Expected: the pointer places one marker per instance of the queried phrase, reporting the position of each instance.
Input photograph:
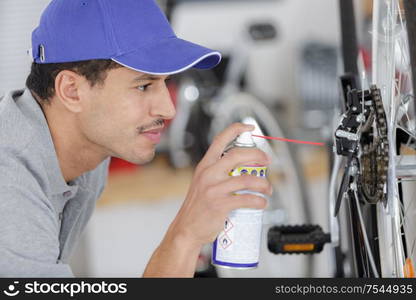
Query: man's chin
(141, 159)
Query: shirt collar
(33, 112)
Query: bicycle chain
(374, 158)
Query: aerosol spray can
(238, 244)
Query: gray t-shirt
(41, 215)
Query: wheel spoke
(365, 237)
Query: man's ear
(67, 89)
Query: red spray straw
(288, 140)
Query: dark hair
(41, 79)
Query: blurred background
(280, 55)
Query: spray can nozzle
(245, 139)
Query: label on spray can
(238, 244)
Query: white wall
(17, 20)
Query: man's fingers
(235, 158)
(222, 140)
(246, 182)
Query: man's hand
(211, 194)
(209, 200)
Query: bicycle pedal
(298, 239)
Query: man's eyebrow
(148, 77)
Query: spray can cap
(245, 139)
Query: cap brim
(169, 56)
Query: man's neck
(75, 154)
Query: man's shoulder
(16, 170)
(20, 147)
(15, 131)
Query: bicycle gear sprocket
(362, 137)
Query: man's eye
(143, 88)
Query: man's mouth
(153, 134)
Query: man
(97, 89)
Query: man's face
(125, 116)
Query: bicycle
(206, 107)
(376, 140)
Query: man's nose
(163, 106)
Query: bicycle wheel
(395, 56)
(289, 202)
(382, 205)
(185, 145)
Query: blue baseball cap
(133, 33)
